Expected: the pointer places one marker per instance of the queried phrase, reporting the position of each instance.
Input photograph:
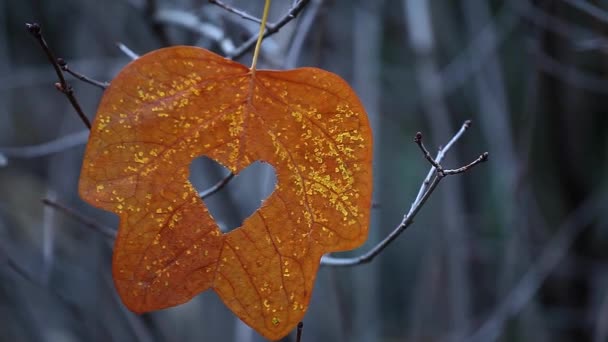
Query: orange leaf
(173, 105)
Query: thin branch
(64, 66)
(369, 256)
(63, 86)
(299, 332)
(408, 218)
(482, 158)
(54, 146)
(236, 11)
(439, 158)
(127, 51)
(427, 155)
(216, 187)
(439, 169)
(88, 222)
(271, 29)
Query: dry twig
(64, 66)
(63, 86)
(426, 189)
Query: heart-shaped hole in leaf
(238, 199)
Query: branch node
(33, 28)
(62, 63)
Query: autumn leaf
(173, 105)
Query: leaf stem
(258, 44)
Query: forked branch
(435, 175)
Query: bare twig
(482, 158)
(54, 146)
(426, 154)
(270, 29)
(64, 66)
(127, 51)
(299, 332)
(63, 86)
(408, 218)
(236, 11)
(439, 158)
(216, 187)
(439, 169)
(88, 222)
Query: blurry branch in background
(191, 22)
(127, 51)
(521, 294)
(5, 257)
(426, 189)
(54, 146)
(589, 8)
(304, 26)
(150, 10)
(63, 86)
(459, 70)
(568, 73)
(48, 239)
(573, 33)
(483, 46)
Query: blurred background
(513, 250)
